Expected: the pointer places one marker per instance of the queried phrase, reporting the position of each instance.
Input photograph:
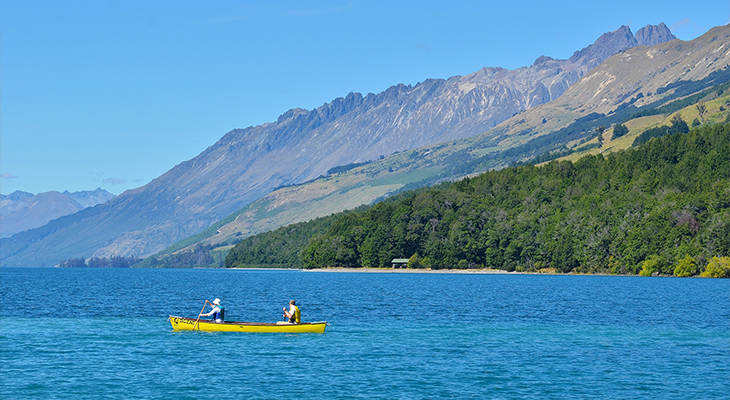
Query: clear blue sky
(112, 94)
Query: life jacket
(220, 314)
(297, 316)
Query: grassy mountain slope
(715, 99)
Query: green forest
(662, 208)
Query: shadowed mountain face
(21, 211)
(246, 164)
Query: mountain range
(641, 87)
(21, 211)
(301, 145)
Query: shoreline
(387, 270)
(428, 271)
(486, 271)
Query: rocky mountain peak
(294, 112)
(608, 44)
(621, 39)
(90, 198)
(542, 60)
(16, 196)
(652, 35)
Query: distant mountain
(16, 195)
(20, 211)
(301, 145)
(90, 198)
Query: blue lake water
(86, 333)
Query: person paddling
(218, 312)
(293, 314)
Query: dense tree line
(279, 248)
(645, 210)
(677, 126)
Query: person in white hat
(218, 312)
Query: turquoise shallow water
(103, 334)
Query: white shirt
(213, 311)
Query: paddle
(201, 311)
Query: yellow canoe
(188, 324)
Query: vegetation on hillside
(279, 248)
(100, 262)
(678, 126)
(662, 208)
(593, 125)
(201, 255)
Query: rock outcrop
(652, 35)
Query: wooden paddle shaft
(201, 311)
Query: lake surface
(86, 333)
